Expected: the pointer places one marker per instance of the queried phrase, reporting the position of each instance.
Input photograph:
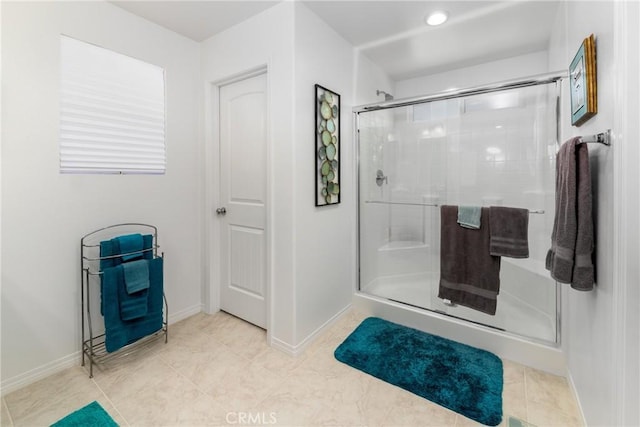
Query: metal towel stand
(93, 344)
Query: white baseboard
(41, 372)
(572, 386)
(296, 350)
(74, 359)
(183, 314)
(283, 346)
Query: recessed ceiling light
(437, 18)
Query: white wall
(263, 40)
(588, 317)
(600, 355)
(312, 249)
(490, 72)
(369, 78)
(324, 237)
(44, 213)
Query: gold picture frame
(583, 83)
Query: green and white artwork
(327, 152)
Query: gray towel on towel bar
(469, 275)
(572, 241)
(509, 230)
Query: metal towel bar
(383, 202)
(600, 138)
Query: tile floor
(218, 370)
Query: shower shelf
(531, 265)
(93, 341)
(383, 202)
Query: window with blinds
(112, 112)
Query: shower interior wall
(464, 172)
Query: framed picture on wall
(582, 83)
(327, 149)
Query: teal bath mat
(91, 415)
(465, 379)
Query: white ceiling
(364, 22)
(391, 33)
(197, 20)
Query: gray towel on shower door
(570, 257)
(469, 275)
(509, 232)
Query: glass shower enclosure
(488, 149)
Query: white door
(242, 210)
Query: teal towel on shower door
(469, 216)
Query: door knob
(221, 211)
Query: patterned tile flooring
(218, 370)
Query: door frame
(211, 243)
(625, 240)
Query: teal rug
(517, 422)
(91, 415)
(465, 379)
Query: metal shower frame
(541, 79)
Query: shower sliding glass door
(494, 149)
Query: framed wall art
(583, 82)
(327, 149)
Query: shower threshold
(512, 314)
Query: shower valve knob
(380, 178)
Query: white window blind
(112, 112)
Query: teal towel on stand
(111, 248)
(469, 216)
(133, 307)
(133, 302)
(136, 275)
(107, 250)
(129, 244)
(118, 331)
